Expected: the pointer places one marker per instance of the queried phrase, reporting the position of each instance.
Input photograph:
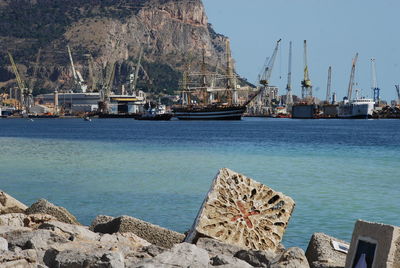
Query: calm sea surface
(337, 171)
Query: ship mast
(231, 81)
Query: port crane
(289, 96)
(306, 86)
(264, 95)
(136, 75)
(23, 95)
(374, 83)
(352, 73)
(328, 85)
(398, 94)
(77, 75)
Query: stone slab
(385, 239)
(240, 211)
(9, 204)
(321, 253)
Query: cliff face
(170, 32)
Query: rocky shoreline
(46, 235)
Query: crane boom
(398, 94)
(20, 82)
(266, 75)
(306, 85)
(328, 85)
(374, 83)
(72, 64)
(352, 73)
(289, 97)
(137, 70)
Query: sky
(334, 29)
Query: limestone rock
(242, 212)
(215, 247)
(8, 204)
(22, 259)
(70, 231)
(256, 258)
(35, 220)
(291, 258)
(180, 255)
(35, 239)
(45, 207)
(12, 219)
(100, 219)
(321, 254)
(3, 244)
(83, 255)
(224, 261)
(152, 233)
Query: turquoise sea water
(337, 171)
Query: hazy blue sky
(334, 29)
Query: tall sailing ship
(210, 103)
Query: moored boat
(356, 109)
(229, 112)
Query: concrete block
(9, 204)
(321, 252)
(45, 207)
(376, 244)
(240, 211)
(154, 234)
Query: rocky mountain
(171, 33)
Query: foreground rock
(154, 234)
(242, 212)
(322, 254)
(23, 220)
(45, 207)
(8, 204)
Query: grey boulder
(180, 255)
(291, 258)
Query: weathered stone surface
(22, 259)
(180, 255)
(152, 233)
(100, 219)
(12, 219)
(385, 237)
(35, 239)
(35, 220)
(242, 212)
(291, 258)
(70, 231)
(256, 258)
(9, 204)
(45, 207)
(3, 244)
(4, 229)
(321, 254)
(222, 261)
(215, 247)
(83, 255)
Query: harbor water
(337, 171)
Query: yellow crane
(23, 90)
(306, 86)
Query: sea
(337, 171)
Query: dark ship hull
(210, 112)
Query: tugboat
(156, 112)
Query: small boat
(155, 117)
(87, 118)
